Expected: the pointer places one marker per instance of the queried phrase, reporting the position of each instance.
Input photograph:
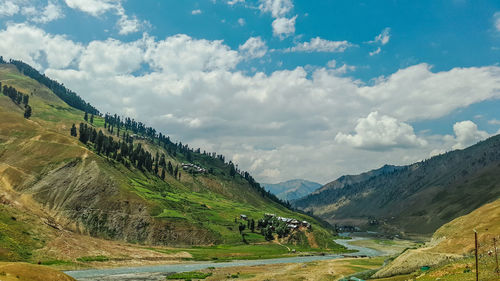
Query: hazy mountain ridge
(417, 198)
(352, 179)
(292, 189)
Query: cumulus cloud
(9, 7)
(381, 132)
(254, 47)
(196, 12)
(111, 57)
(241, 21)
(383, 37)
(277, 8)
(50, 13)
(270, 123)
(416, 93)
(180, 54)
(466, 134)
(320, 45)
(283, 27)
(94, 7)
(36, 47)
(32, 10)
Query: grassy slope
(36, 155)
(29, 272)
(454, 240)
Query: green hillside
(51, 178)
(450, 253)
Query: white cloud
(494, 122)
(111, 57)
(180, 54)
(233, 2)
(382, 38)
(241, 21)
(320, 45)
(254, 47)
(416, 93)
(94, 7)
(376, 52)
(196, 12)
(36, 47)
(270, 123)
(331, 63)
(283, 27)
(496, 20)
(277, 8)
(126, 24)
(32, 10)
(8, 8)
(379, 133)
(466, 134)
(50, 13)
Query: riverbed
(158, 272)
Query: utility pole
(497, 270)
(477, 265)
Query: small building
(243, 217)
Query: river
(158, 272)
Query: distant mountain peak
(292, 189)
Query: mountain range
(417, 198)
(292, 189)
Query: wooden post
(497, 270)
(477, 265)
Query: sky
(284, 88)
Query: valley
(66, 205)
(263, 140)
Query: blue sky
(287, 88)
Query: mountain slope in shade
(418, 198)
(352, 179)
(292, 189)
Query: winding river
(158, 272)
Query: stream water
(158, 272)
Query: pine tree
(92, 119)
(73, 130)
(162, 174)
(171, 169)
(26, 99)
(27, 112)
(86, 116)
(232, 170)
(162, 161)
